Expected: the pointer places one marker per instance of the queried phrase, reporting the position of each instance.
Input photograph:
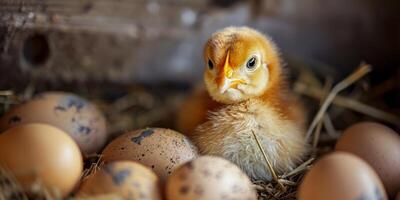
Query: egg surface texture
(73, 114)
(128, 179)
(162, 150)
(341, 176)
(41, 153)
(209, 177)
(379, 146)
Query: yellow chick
(198, 104)
(245, 76)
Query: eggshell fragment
(41, 153)
(341, 176)
(162, 150)
(379, 146)
(71, 113)
(128, 179)
(209, 177)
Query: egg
(162, 150)
(341, 176)
(128, 179)
(209, 177)
(40, 152)
(71, 113)
(379, 146)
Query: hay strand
(349, 103)
(6, 93)
(9, 187)
(317, 133)
(274, 176)
(329, 127)
(301, 168)
(359, 73)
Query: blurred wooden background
(153, 41)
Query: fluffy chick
(198, 104)
(244, 74)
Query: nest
(139, 107)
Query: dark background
(149, 41)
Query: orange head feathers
(241, 63)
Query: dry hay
(149, 109)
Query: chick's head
(241, 63)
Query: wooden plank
(129, 41)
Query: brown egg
(128, 179)
(76, 116)
(160, 149)
(379, 146)
(209, 177)
(40, 152)
(341, 176)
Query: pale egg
(209, 177)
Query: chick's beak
(228, 79)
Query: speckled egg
(343, 176)
(162, 150)
(379, 146)
(128, 179)
(40, 153)
(209, 177)
(76, 116)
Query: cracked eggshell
(41, 153)
(71, 113)
(127, 179)
(209, 177)
(162, 150)
(341, 175)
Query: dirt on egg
(209, 177)
(78, 117)
(129, 179)
(162, 150)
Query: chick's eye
(210, 64)
(251, 63)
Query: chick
(197, 104)
(245, 76)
